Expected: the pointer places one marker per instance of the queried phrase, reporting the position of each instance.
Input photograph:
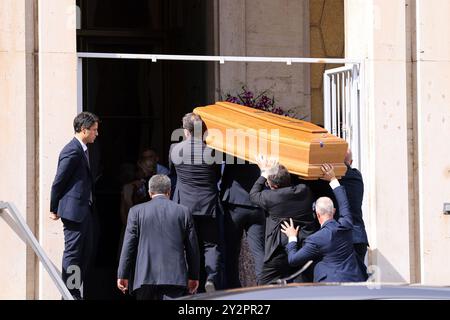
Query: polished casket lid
(302, 147)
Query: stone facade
(270, 29)
(18, 161)
(39, 96)
(326, 21)
(405, 123)
(404, 128)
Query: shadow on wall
(381, 270)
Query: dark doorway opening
(139, 102)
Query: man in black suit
(71, 200)
(280, 202)
(332, 245)
(354, 185)
(241, 214)
(160, 249)
(198, 174)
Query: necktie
(86, 152)
(87, 157)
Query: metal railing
(220, 59)
(342, 106)
(10, 214)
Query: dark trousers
(237, 219)
(78, 249)
(159, 292)
(277, 267)
(361, 250)
(207, 230)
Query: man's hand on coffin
(328, 172)
(265, 164)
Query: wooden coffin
(300, 146)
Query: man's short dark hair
(282, 177)
(84, 120)
(159, 184)
(190, 120)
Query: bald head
(325, 207)
(348, 157)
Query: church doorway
(139, 103)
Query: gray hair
(324, 206)
(191, 121)
(279, 176)
(159, 184)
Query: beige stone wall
(406, 126)
(38, 103)
(433, 133)
(57, 108)
(326, 18)
(17, 158)
(266, 28)
(376, 32)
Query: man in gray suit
(160, 248)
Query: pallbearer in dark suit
(241, 214)
(353, 183)
(160, 250)
(354, 187)
(281, 202)
(198, 173)
(72, 199)
(332, 245)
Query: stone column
(376, 32)
(17, 141)
(433, 133)
(57, 108)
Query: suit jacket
(333, 246)
(280, 204)
(73, 184)
(160, 245)
(353, 183)
(197, 176)
(237, 181)
(321, 188)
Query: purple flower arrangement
(260, 101)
